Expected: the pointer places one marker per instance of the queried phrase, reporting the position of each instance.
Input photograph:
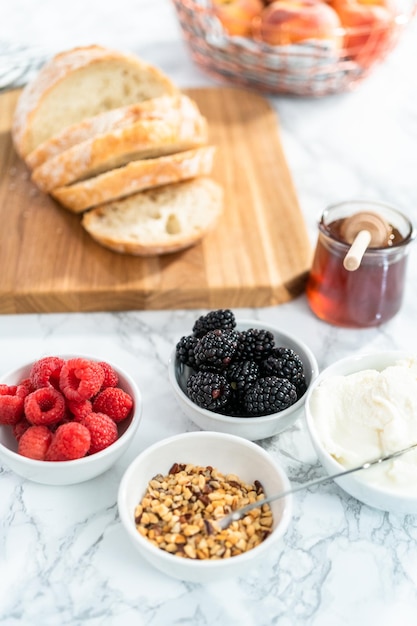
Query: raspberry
(24, 388)
(11, 405)
(114, 402)
(45, 406)
(70, 441)
(45, 372)
(8, 390)
(111, 378)
(80, 379)
(79, 409)
(20, 427)
(34, 442)
(103, 431)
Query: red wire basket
(313, 67)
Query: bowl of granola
(174, 493)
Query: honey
(373, 293)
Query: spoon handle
(225, 521)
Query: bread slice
(158, 221)
(135, 176)
(80, 83)
(181, 130)
(153, 108)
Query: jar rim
(396, 218)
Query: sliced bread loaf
(144, 139)
(77, 84)
(135, 176)
(158, 221)
(153, 108)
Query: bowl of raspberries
(241, 377)
(65, 419)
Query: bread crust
(101, 222)
(135, 176)
(55, 72)
(112, 137)
(143, 139)
(151, 109)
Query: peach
(369, 27)
(236, 15)
(291, 21)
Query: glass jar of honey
(373, 293)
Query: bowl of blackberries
(239, 376)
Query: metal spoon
(225, 521)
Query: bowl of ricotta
(363, 407)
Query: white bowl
(226, 453)
(252, 428)
(358, 484)
(78, 470)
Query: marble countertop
(64, 557)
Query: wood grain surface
(258, 255)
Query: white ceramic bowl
(253, 428)
(79, 470)
(356, 484)
(226, 453)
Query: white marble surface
(64, 558)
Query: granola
(178, 513)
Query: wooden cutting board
(258, 255)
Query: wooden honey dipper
(361, 230)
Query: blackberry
(301, 387)
(284, 363)
(233, 407)
(221, 318)
(184, 350)
(216, 350)
(242, 375)
(255, 344)
(269, 395)
(210, 390)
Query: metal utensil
(225, 521)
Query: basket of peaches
(301, 47)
